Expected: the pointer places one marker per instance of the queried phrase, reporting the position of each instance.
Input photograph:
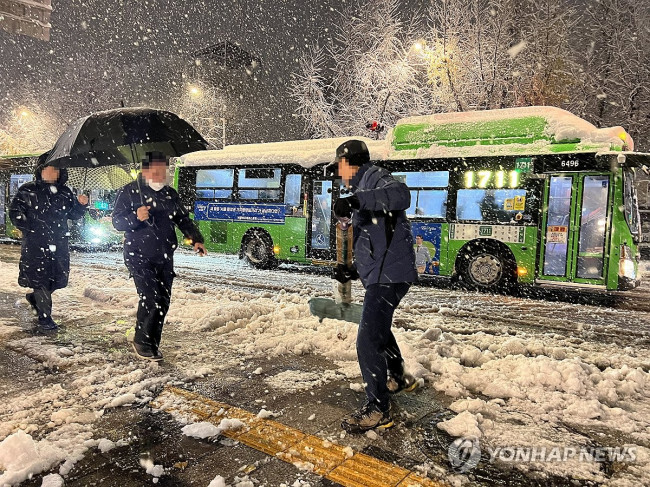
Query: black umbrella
(120, 136)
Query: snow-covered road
(548, 371)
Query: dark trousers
(43, 301)
(377, 349)
(154, 284)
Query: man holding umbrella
(41, 210)
(148, 210)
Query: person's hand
(143, 213)
(344, 206)
(343, 273)
(83, 199)
(199, 248)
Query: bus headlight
(626, 266)
(97, 231)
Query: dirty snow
(532, 380)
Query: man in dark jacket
(148, 210)
(41, 210)
(385, 263)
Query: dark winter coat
(155, 239)
(41, 212)
(383, 240)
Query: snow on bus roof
(541, 126)
(305, 153)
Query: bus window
(267, 180)
(215, 178)
(292, 193)
(208, 182)
(321, 221)
(490, 205)
(429, 203)
(259, 178)
(259, 194)
(631, 204)
(16, 181)
(593, 227)
(427, 179)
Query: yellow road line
(291, 445)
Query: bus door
(322, 231)
(575, 228)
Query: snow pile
(152, 469)
(52, 480)
(205, 430)
(264, 414)
(306, 153)
(529, 378)
(105, 445)
(465, 425)
(21, 457)
(201, 430)
(218, 481)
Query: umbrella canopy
(100, 139)
(104, 177)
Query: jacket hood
(63, 174)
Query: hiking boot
(158, 354)
(367, 418)
(32, 303)
(406, 383)
(47, 324)
(145, 352)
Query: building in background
(27, 17)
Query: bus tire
(257, 249)
(487, 266)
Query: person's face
(50, 174)
(418, 240)
(346, 171)
(156, 172)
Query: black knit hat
(355, 151)
(154, 156)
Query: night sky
(104, 51)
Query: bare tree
(204, 106)
(371, 72)
(497, 53)
(614, 86)
(311, 89)
(28, 129)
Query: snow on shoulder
(521, 130)
(305, 153)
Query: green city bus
(529, 195)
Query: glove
(344, 206)
(343, 273)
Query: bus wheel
(486, 268)
(258, 249)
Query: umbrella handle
(142, 199)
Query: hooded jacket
(383, 240)
(154, 239)
(41, 211)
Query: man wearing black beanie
(385, 262)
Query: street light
(194, 90)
